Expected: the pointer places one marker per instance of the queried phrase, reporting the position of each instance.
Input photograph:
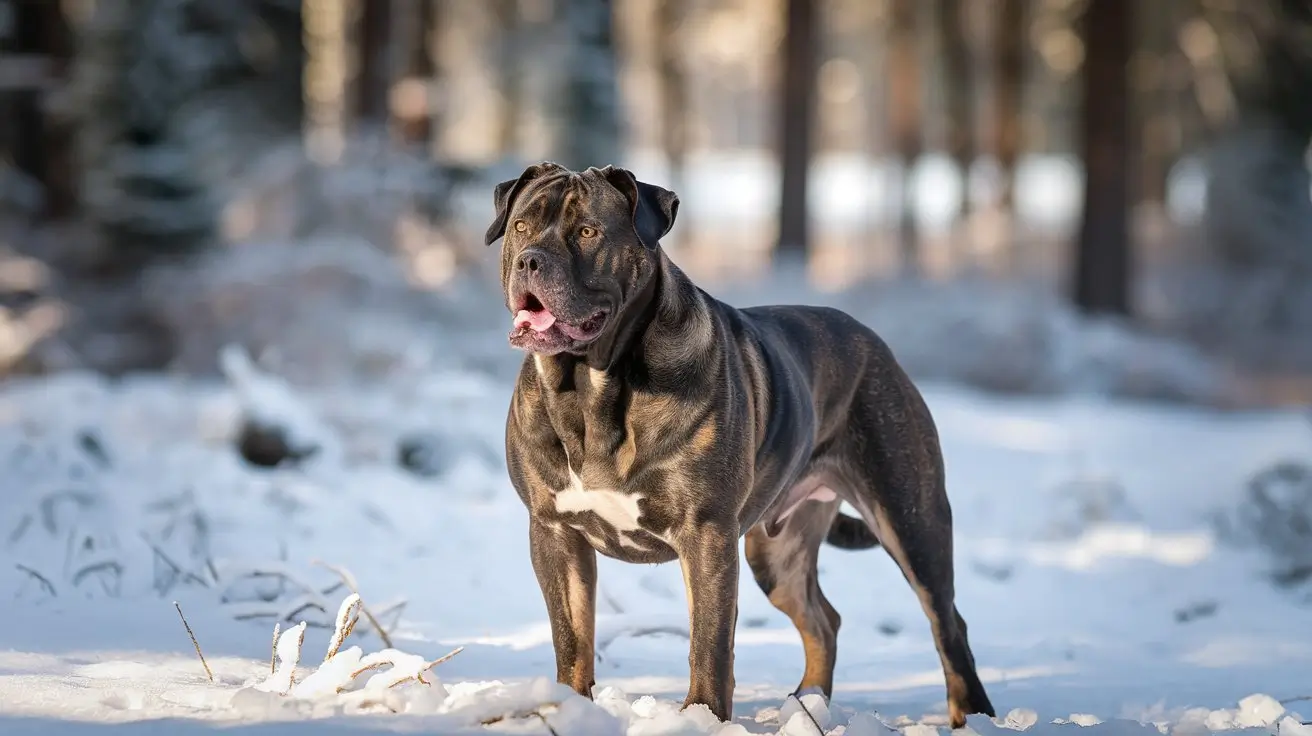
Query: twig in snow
(525, 714)
(370, 703)
(41, 579)
(349, 579)
(603, 642)
(366, 668)
(273, 650)
(20, 529)
(1299, 699)
(443, 658)
(178, 572)
(379, 662)
(420, 675)
(48, 506)
(243, 613)
(347, 616)
(278, 571)
(288, 652)
(807, 711)
(103, 566)
(291, 675)
(301, 605)
(394, 610)
(194, 643)
(546, 723)
(611, 601)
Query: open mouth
(536, 326)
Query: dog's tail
(849, 532)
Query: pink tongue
(539, 321)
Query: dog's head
(579, 249)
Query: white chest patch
(617, 510)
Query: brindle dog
(651, 422)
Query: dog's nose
(530, 260)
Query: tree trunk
(416, 125)
(22, 107)
(40, 144)
(281, 77)
(674, 88)
(588, 116)
(374, 81)
(796, 121)
(59, 176)
(1160, 102)
(1287, 63)
(1102, 268)
(510, 72)
(959, 85)
(959, 89)
(1009, 68)
(906, 110)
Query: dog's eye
(588, 232)
(521, 226)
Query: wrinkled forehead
(566, 194)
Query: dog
(651, 422)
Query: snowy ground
(1089, 570)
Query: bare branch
(807, 711)
(41, 579)
(349, 580)
(194, 643)
(273, 651)
(525, 714)
(347, 615)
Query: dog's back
(842, 360)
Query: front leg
(709, 556)
(566, 566)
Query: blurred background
(1025, 196)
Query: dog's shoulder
(799, 318)
(528, 403)
(807, 326)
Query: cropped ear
(653, 208)
(503, 197)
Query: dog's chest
(612, 519)
(617, 509)
(613, 515)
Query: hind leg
(921, 545)
(785, 568)
(893, 458)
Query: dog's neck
(680, 333)
(630, 325)
(666, 324)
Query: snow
(803, 716)
(287, 653)
(1101, 590)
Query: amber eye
(521, 226)
(588, 232)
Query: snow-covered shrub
(1275, 515)
(1016, 339)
